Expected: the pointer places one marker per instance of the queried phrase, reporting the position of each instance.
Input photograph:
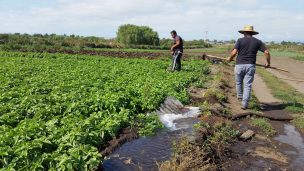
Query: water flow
(293, 138)
(175, 121)
(144, 153)
(173, 110)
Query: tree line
(128, 36)
(40, 42)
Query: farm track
(295, 68)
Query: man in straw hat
(246, 49)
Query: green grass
(264, 125)
(293, 99)
(299, 122)
(218, 94)
(254, 103)
(295, 55)
(223, 133)
(299, 57)
(224, 49)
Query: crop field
(58, 110)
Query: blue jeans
(244, 75)
(176, 60)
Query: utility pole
(206, 35)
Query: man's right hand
(267, 55)
(232, 55)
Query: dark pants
(176, 61)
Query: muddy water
(146, 152)
(142, 153)
(293, 138)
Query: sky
(275, 20)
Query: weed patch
(208, 152)
(299, 122)
(299, 57)
(264, 125)
(254, 103)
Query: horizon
(209, 40)
(102, 18)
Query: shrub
(137, 35)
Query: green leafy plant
(56, 110)
(147, 124)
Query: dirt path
(295, 68)
(262, 92)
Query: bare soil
(118, 54)
(126, 134)
(295, 68)
(262, 92)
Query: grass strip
(264, 125)
(293, 99)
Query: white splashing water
(168, 119)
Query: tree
(166, 43)
(4, 38)
(232, 41)
(129, 34)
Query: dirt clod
(269, 153)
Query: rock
(247, 135)
(127, 161)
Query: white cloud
(191, 18)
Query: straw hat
(249, 29)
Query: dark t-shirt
(248, 48)
(180, 47)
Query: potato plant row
(58, 110)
